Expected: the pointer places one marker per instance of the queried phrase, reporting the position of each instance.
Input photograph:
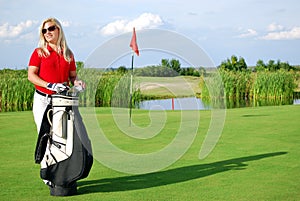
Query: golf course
(256, 158)
(150, 100)
(253, 152)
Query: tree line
(239, 64)
(172, 67)
(167, 68)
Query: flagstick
(130, 101)
(135, 49)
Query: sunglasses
(52, 28)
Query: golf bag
(63, 148)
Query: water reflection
(296, 102)
(237, 103)
(193, 103)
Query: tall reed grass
(241, 85)
(212, 90)
(103, 89)
(16, 92)
(112, 88)
(274, 85)
(106, 89)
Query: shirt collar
(49, 48)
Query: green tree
(285, 66)
(165, 63)
(260, 65)
(272, 66)
(175, 65)
(183, 71)
(234, 64)
(241, 64)
(122, 70)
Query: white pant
(39, 106)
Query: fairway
(180, 86)
(256, 158)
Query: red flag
(133, 43)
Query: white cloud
(145, 20)
(11, 31)
(293, 33)
(275, 27)
(248, 33)
(66, 23)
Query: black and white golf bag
(63, 148)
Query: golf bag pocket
(52, 156)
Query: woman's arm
(72, 76)
(34, 78)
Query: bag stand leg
(64, 191)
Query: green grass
(256, 158)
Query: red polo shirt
(53, 68)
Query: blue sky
(252, 29)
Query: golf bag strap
(41, 143)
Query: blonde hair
(62, 47)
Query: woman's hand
(79, 84)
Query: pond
(193, 103)
(190, 103)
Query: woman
(51, 67)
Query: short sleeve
(35, 59)
(73, 65)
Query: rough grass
(256, 158)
